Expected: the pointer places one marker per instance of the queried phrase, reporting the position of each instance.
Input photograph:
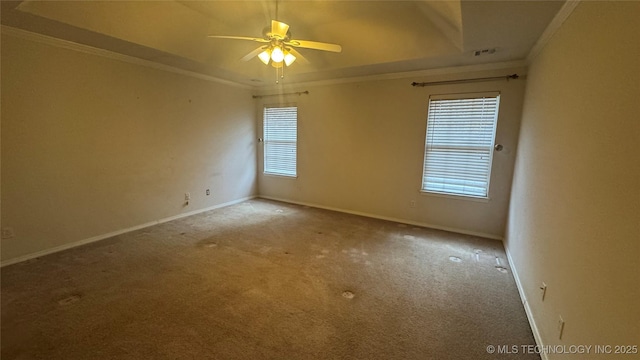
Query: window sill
(455, 197)
(293, 177)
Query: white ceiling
(377, 37)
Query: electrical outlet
(187, 196)
(412, 203)
(560, 327)
(543, 289)
(208, 192)
(8, 233)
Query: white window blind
(459, 145)
(280, 140)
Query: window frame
(267, 141)
(461, 195)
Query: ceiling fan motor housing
(271, 35)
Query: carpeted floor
(266, 280)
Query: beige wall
(92, 145)
(574, 219)
(361, 148)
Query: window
(459, 144)
(280, 140)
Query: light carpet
(267, 280)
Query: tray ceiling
(377, 37)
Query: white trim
(86, 49)
(403, 75)
(455, 196)
(387, 218)
(555, 24)
(527, 308)
(117, 232)
(291, 177)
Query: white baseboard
(527, 308)
(375, 216)
(116, 233)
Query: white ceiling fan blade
(315, 45)
(239, 38)
(279, 28)
(254, 53)
(301, 59)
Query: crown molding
(555, 24)
(70, 45)
(65, 44)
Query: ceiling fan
(278, 49)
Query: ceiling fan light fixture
(277, 47)
(265, 56)
(277, 55)
(289, 58)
